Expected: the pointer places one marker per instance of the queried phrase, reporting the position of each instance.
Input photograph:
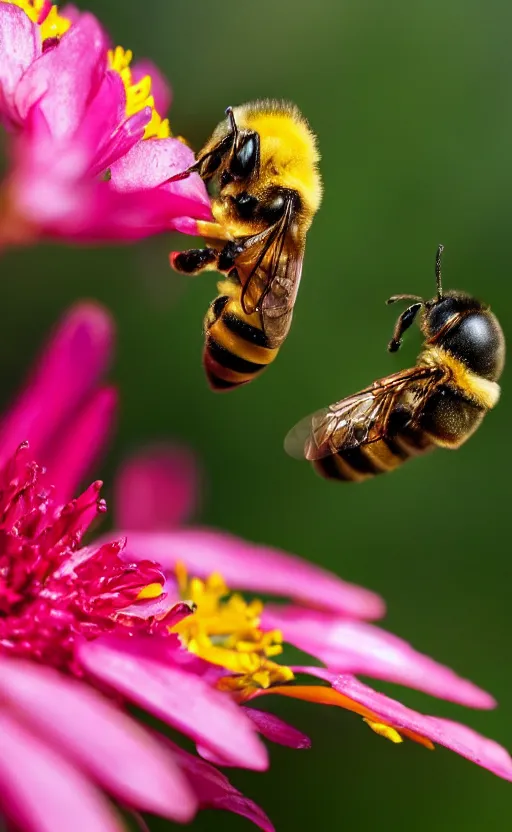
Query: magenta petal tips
(346, 646)
(257, 568)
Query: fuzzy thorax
(480, 390)
(288, 147)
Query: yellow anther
(53, 26)
(119, 58)
(384, 730)
(225, 630)
(150, 591)
(266, 675)
(138, 93)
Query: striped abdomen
(236, 349)
(448, 419)
(357, 464)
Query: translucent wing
(269, 268)
(363, 417)
(277, 307)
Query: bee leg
(194, 261)
(197, 260)
(405, 320)
(228, 255)
(212, 230)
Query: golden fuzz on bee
(263, 161)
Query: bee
(438, 403)
(263, 162)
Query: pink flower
(58, 596)
(85, 630)
(333, 635)
(91, 153)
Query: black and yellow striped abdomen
(448, 419)
(236, 349)
(366, 461)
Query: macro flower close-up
(144, 616)
(90, 146)
(217, 611)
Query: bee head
(441, 311)
(439, 314)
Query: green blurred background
(412, 104)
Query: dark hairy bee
(439, 402)
(262, 161)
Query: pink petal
(148, 165)
(459, 738)
(49, 184)
(135, 215)
(101, 129)
(87, 729)
(43, 792)
(211, 757)
(356, 647)
(185, 225)
(214, 790)
(183, 700)
(275, 730)
(74, 360)
(165, 606)
(254, 568)
(156, 489)
(63, 80)
(20, 44)
(70, 12)
(160, 89)
(126, 135)
(151, 163)
(72, 455)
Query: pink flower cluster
(87, 629)
(91, 153)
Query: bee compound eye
(244, 158)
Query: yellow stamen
(53, 26)
(384, 730)
(138, 94)
(150, 591)
(225, 630)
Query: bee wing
(277, 307)
(270, 268)
(361, 418)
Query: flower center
(224, 630)
(138, 94)
(54, 592)
(51, 23)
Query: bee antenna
(440, 250)
(230, 114)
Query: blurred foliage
(412, 104)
